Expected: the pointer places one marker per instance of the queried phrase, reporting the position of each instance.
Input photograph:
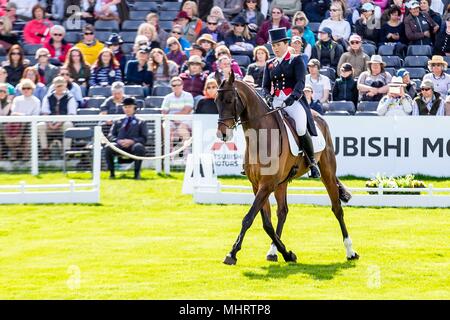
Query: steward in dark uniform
(283, 81)
(129, 134)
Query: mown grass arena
(147, 241)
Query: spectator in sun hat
(441, 80)
(355, 56)
(326, 50)
(194, 78)
(396, 102)
(411, 86)
(196, 50)
(345, 87)
(373, 83)
(208, 44)
(428, 102)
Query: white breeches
(296, 111)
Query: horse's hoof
(229, 260)
(272, 257)
(355, 256)
(290, 257)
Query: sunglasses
(213, 23)
(251, 1)
(27, 88)
(355, 42)
(16, 54)
(176, 32)
(176, 85)
(276, 12)
(220, 53)
(64, 74)
(171, 44)
(239, 25)
(43, 55)
(88, 33)
(425, 89)
(58, 34)
(211, 88)
(2, 91)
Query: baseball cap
(427, 84)
(402, 72)
(368, 7)
(326, 30)
(347, 67)
(414, 4)
(296, 38)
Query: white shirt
(319, 86)
(441, 84)
(71, 106)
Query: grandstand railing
(159, 141)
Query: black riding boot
(307, 146)
(137, 169)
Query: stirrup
(314, 170)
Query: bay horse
(237, 101)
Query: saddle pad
(318, 141)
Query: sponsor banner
(364, 146)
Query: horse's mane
(253, 91)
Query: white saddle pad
(318, 141)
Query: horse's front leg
(282, 211)
(261, 197)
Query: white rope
(105, 140)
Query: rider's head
(279, 41)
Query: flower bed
(395, 183)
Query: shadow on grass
(316, 271)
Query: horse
(239, 103)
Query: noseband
(236, 113)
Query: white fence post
(166, 145)
(96, 163)
(158, 145)
(34, 149)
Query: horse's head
(229, 107)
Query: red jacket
(65, 47)
(37, 32)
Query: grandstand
(126, 18)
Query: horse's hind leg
(276, 241)
(330, 181)
(261, 197)
(282, 211)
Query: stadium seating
(386, 50)
(135, 91)
(99, 91)
(366, 113)
(153, 102)
(131, 25)
(161, 91)
(347, 106)
(82, 140)
(390, 70)
(369, 49)
(72, 37)
(128, 36)
(314, 26)
(138, 15)
(173, 6)
(30, 49)
(112, 26)
(367, 106)
(146, 6)
(94, 102)
(167, 15)
(416, 73)
(337, 113)
(166, 25)
(419, 50)
(392, 61)
(148, 111)
(329, 72)
(103, 36)
(242, 60)
(416, 61)
(89, 110)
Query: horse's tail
(344, 194)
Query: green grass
(148, 241)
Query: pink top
(37, 32)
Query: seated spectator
(149, 30)
(196, 50)
(419, 26)
(7, 36)
(4, 79)
(195, 25)
(47, 71)
(393, 31)
(340, 27)
(355, 56)
(182, 19)
(87, 12)
(5, 110)
(447, 106)
(356, 14)
(425, 8)
(428, 102)
(79, 70)
(300, 20)
(89, 46)
(57, 46)
(252, 14)
(107, 10)
(39, 90)
(73, 87)
(129, 134)
(207, 104)
(208, 44)
(114, 43)
(256, 69)
(320, 83)
(138, 72)
(11, 12)
(308, 94)
(315, 10)
(14, 133)
(345, 87)
(277, 20)
(396, 102)
(410, 86)
(441, 80)
(223, 50)
(162, 68)
(224, 69)
(290, 7)
(212, 28)
(230, 8)
(177, 32)
(105, 70)
(140, 41)
(15, 64)
(442, 46)
(224, 25)
(301, 47)
(60, 102)
(37, 31)
(178, 102)
(366, 26)
(194, 78)
(176, 53)
(114, 103)
(239, 39)
(326, 50)
(373, 83)
(56, 10)
(161, 34)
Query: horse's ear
(217, 77)
(231, 77)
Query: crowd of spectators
(340, 42)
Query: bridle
(236, 115)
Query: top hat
(238, 20)
(114, 39)
(130, 101)
(278, 35)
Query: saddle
(291, 125)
